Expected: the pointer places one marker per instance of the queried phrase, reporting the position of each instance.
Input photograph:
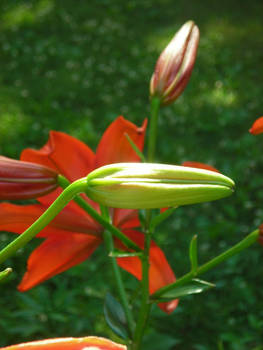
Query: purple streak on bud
(25, 180)
(175, 64)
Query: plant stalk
(119, 283)
(145, 302)
(245, 243)
(155, 106)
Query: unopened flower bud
(174, 66)
(148, 186)
(25, 180)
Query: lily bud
(148, 186)
(174, 66)
(24, 180)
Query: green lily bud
(148, 186)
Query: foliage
(74, 69)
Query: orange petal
(200, 165)
(55, 255)
(86, 343)
(66, 155)
(257, 127)
(63, 153)
(126, 218)
(17, 218)
(160, 272)
(114, 146)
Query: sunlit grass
(26, 13)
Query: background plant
(60, 61)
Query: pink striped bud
(24, 180)
(174, 66)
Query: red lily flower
(85, 343)
(73, 235)
(257, 127)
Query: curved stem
(245, 243)
(68, 194)
(63, 182)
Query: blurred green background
(74, 66)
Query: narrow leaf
(122, 254)
(135, 148)
(5, 273)
(195, 286)
(158, 219)
(115, 316)
(193, 253)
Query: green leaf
(115, 316)
(5, 273)
(122, 254)
(195, 286)
(135, 148)
(193, 253)
(157, 220)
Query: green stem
(145, 302)
(119, 283)
(245, 243)
(155, 106)
(68, 194)
(63, 182)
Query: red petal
(68, 344)
(200, 165)
(63, 153)
(16, 218)
(257, 127)
(114, 146)
(55, 255)
(126, 218)
(66, 155)
(160, 272)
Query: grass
(75, 68)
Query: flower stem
(145, 302)
(63, 182)
(155, 106)
(245, 243)
(67, 195)
(119, 283)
